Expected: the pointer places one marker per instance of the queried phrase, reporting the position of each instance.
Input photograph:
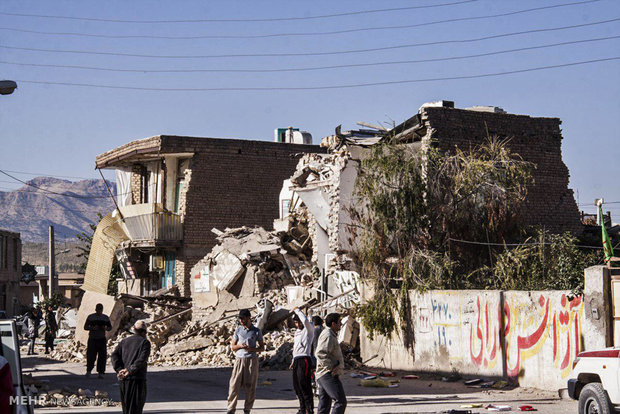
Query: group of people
(33, 322)
(129, 359)
(317, 359)
(316, 356)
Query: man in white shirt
(302, 362)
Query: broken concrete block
(227, 270)
(111, 307)
(349, 332)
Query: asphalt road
(204, 390)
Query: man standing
(33, 322)
(129, 360)
(97, 324)
(51, 327)
(247, 341)
(317, 321)
(329, 368)
(302, 363)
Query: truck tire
(593, 399)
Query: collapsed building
(325, 183)
(172, 190)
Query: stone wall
(550, 203)
(531, 337)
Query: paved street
(204, 390)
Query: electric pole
(52, 264)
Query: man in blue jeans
(329, 368)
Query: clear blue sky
(59, 129)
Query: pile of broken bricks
(65, 397)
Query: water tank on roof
(292, 135)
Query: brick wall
(136, 183)
(10, 270)
(230, 183)
(550, 203)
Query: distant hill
(31, 209)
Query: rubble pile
(65, 397)
(267, 272)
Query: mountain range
(69, 206)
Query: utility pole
(52, 264)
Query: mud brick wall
(232, 183)
(550, 203)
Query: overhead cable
(324, 87)
(324, 33)
(269, 19)
(340, 52)
(309, 68)
(50, 191)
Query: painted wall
(532, 337)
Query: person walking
(302, 362)
(130, 360)
(97, 324)
(247, 341)
(33, 322)
(51, 328)
(329, 368)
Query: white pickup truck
(594, 381)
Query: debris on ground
(65, 397)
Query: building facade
(173, 191)
(10, 271)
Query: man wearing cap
(97, 324)
(129, 360)
(247, 341)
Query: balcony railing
(158, 226)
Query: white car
(594, 381)
(23, 402)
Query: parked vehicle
(595, 381)
(10, 350)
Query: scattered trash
(456, 412)
(473, 381)
(527, 408)
(499, 385)
(266, 383)
(410, 377)
(473, 405)
(379, 383)
(494, 407)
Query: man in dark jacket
(97, 324)
(129, 360)
(51, 327)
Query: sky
(156, 67)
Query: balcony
(154, 228)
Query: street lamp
(7, 87)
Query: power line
(344, 86)
(311, 68)
(271, 19)
(517, 244)
(50, 191)
(324, 33)
(48, 175)
(341, 52)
